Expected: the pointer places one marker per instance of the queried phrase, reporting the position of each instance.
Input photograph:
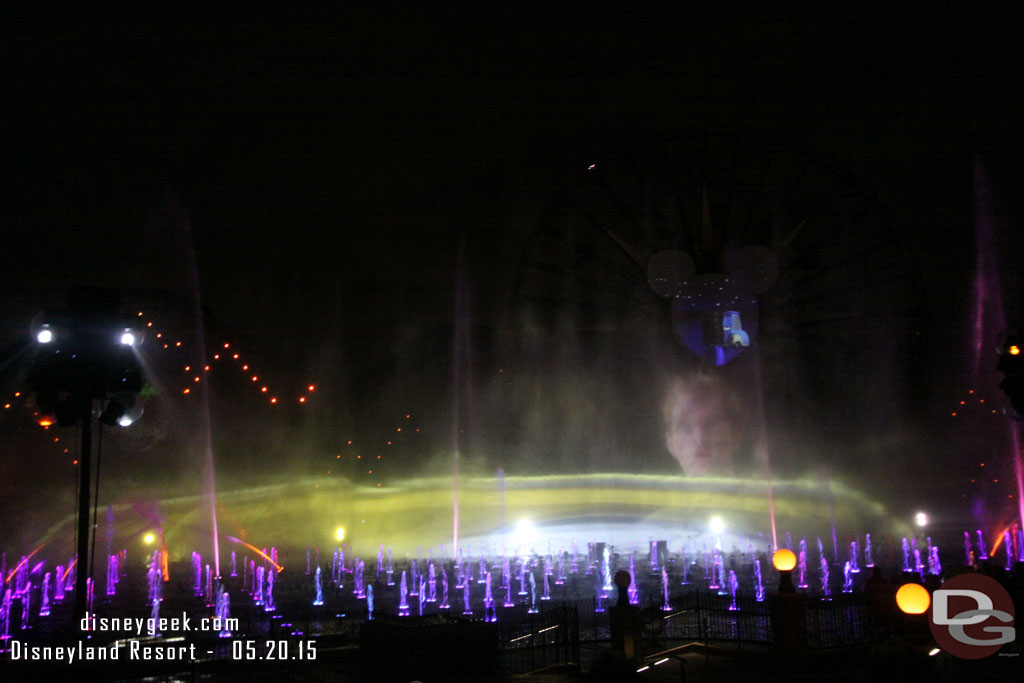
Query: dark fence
(533, 641)
(562, 634)
(701, 616)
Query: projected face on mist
(700, 426)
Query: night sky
(360, 192)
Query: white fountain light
(45, 336)
(524, 535)
(127, 338)
(921, 519)
(717, 525)
(149, 538)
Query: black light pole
(86, 355)
(85, 482)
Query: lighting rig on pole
(1011, 364)
(85, 366)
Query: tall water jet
(197, 574)
(58, 580)
(632, 591)
(205, 432)
(802, 564)
(758, 582)
(154, 618)
(734, 584)
(359, 590)
(403, 596)
(111, 575)
(5, 616)
(763, 450)
(490, 612)
(666, 606)
(257, 593)
(989, 311)
(848, 577)
(318, 598)
(268, 598)
(460, 375)
(224, 611)
(44, 600)
(826, 591)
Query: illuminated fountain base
(415, 516)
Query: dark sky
(330, 166)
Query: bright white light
(45, 336)
(921, 519)
(717, 525)
(127, 338)
(524, 534)
(149, 538)
(125, 420)
(934, 651)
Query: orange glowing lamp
(784, 560)
(913, 598)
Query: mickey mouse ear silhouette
(667, 270)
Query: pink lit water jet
(989, 315)
(205, 425)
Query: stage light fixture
(123, 409)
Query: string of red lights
(974, 400)
(224, 354)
